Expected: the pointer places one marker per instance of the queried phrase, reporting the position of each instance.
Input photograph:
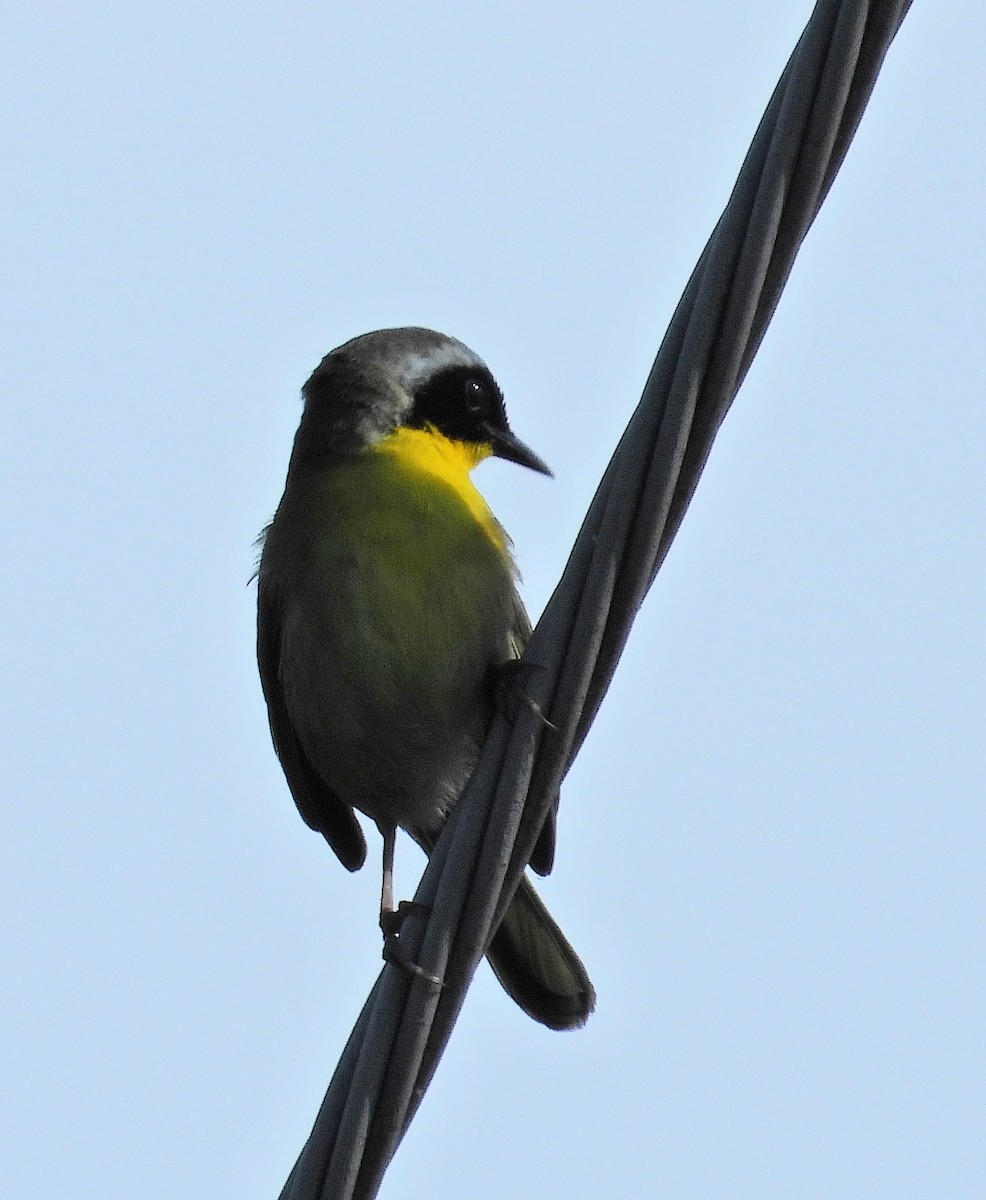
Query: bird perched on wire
(387, 602)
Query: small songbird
(387, 606)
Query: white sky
(772, 846)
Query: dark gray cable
(721, 318)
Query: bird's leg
(388, 831)
(391, 919)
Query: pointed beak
(506, 445)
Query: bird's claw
(393, 952)
(512, 676)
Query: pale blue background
(772, 846)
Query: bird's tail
(536, 965)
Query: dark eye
(475, 395)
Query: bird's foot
(392, 923)
(511, 680)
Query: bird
(387, 610)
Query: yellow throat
(425, 456)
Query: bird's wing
(320, 807)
